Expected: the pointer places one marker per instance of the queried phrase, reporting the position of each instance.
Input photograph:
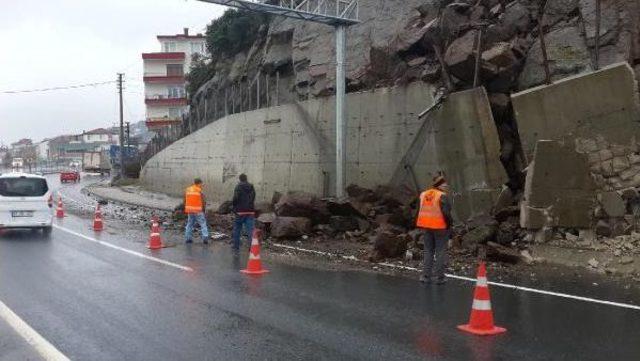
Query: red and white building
(164, 78)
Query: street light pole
(341, 125)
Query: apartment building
(164, 78)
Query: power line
(76, 86)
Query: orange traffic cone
(254, 266)
(97, 220)
(481, 320)
(59, 209)
(154, 238)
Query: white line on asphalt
(469, 279)
(33, 338)
(133, 253)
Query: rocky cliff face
(402, 41)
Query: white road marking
(469, 279)
(33, 338)
(133, 253)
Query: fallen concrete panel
(292, 147)
(602, 103)
(558, 181)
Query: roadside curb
(93, 190)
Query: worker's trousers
(435, 253)
(192, 219)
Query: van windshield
(23, 187)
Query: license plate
(21, 213)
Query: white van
(25, 202)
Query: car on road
(69, 176)
(26, 201)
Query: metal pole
(206, 106)
(258, 90)
(543, 45)
(341, 146)
(233, 99)
(122, 173)
(266, 82)
(476, 75)
(598, 17)
(226, 106)
(278, 87)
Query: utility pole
(122, 175)
(128, 134)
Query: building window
(197, 48)
(175, 70)
(176, 92)
(169, 47)
(174, 113)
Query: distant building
(164, 78)
(21, 145)
(42, 150)
(69, 147)
(101, 135)
(4, 151)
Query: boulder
(290, 227)
(344, 208)
(266, 218)
(479, 235)
(225, 208)
(459, 56)
(264, 207)
(567, 54)
(301, 204)
(361, 194)
(506, 233)
(498, 253)
(343, 224)
(629, 194)
(603, 228)
(401, 218)
(389, 244)
(500, 55)
(613, 204)
(395, 196)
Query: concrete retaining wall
(603, 103)
(292, 147)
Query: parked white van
(25, 202)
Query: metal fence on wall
(262, 91)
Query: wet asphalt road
(98, 303)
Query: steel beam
(330, 12)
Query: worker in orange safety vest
(194, 208)
(434, 218)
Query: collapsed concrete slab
(600, 104)
(559, 190)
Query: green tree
(201, 70)
(233, 32)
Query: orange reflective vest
(430, 216)
(193, 200)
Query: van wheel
(47, 230)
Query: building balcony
(155, 123)
(163, 56)
(164, 79)
(166, 101)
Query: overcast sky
(49, 43)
